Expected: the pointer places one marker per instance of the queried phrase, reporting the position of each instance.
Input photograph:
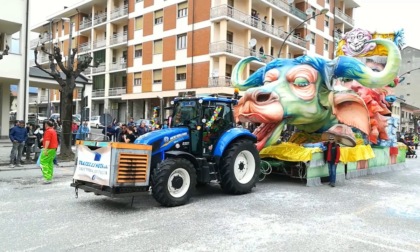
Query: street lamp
(322, 12)
(5, 52)
(401, 77)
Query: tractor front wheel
(240, 167)
(174, 182)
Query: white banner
(93, 166)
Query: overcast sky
(390, 15)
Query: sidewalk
(6, 147)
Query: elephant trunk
(352, 68)
(255, 80)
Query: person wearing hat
(50, 143)
(332, 158)
(18, 135)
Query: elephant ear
(350, 109)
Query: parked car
(75, 118)
(95, 121)
(55, 116)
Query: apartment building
(13, 31)
(409, 75)
(149, 50)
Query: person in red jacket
(333, 157)
(50, 144)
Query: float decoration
(315, 95)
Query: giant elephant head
(299, 92)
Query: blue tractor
(201, 145)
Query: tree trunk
(66, 103)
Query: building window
(181, 73)
(313, 12)
(313, 38)
(138, 51)
(327, 21)
(325, 45)
(137, 79)
(157, 76)
(181, 42)
(182, 9)
(158, 17)
(139, 23)
(157, 47)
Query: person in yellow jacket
(416, 140)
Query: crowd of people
(128, 132)
(43, 142)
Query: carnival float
(349, 97)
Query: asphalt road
(374, 213)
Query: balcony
(44, 38)
(43, 98)
(99, 19)
(117, 91)
(119, 12)
(87, 23)
(98, 93)
(99, 44)
(33, 99)
(118, 38)
(221, 81)
(339, 13)
(85, 47)
(118, 66)
(87, 71)
(240, 51)
(224, 10)
(282, 4)
(99, 69)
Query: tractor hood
(167, 136)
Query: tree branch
(59, 59)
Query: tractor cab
(206, 118)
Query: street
(373, 213)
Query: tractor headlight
(177, 145)
(200, 101)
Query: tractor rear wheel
(240, 167)
(174, 182)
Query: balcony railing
(224, 10)
(99, 43)
(99, 19)
(118, 38)
(87, 71)
(117, 91)
(99, 69)
(45, 37)
(282, 4)
(33, 99)
(98, 93)
(119, 12)
(85, 24)
(117, 66)
(221, 81)
(228, 47)
(43, 98)
(85, 47)
(343, 16)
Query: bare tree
(66, 84)
(416, 118)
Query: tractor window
(185, 113)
